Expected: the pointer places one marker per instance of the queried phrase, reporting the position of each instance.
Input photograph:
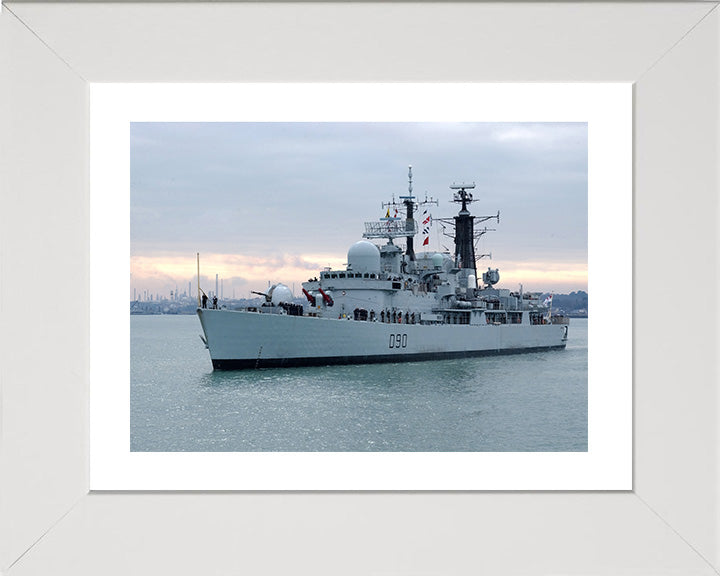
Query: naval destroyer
(389, 304)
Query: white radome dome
(281, 293)
(364, 256)
(437, 260)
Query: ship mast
(410, 228)
(465, 232)
(409, 202)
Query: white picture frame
(606, 465)
(668, 524)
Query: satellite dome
(364, 256)
(437, 260)
(281, 293)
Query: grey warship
(389, 305)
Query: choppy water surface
(524, 402)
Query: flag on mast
(427, 223)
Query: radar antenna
(462, 195)
(392, 227)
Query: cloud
(555, 135)
(516, 133)
(163, 272)
(543, 276)
(280, 200)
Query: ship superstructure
(389, 304)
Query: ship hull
(247, 340)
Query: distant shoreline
(192, 312)
(573, 305)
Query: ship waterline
(242, 340)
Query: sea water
(525, 402)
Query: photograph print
(359, 287)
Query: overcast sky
(278, 201)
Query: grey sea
(535, 402)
